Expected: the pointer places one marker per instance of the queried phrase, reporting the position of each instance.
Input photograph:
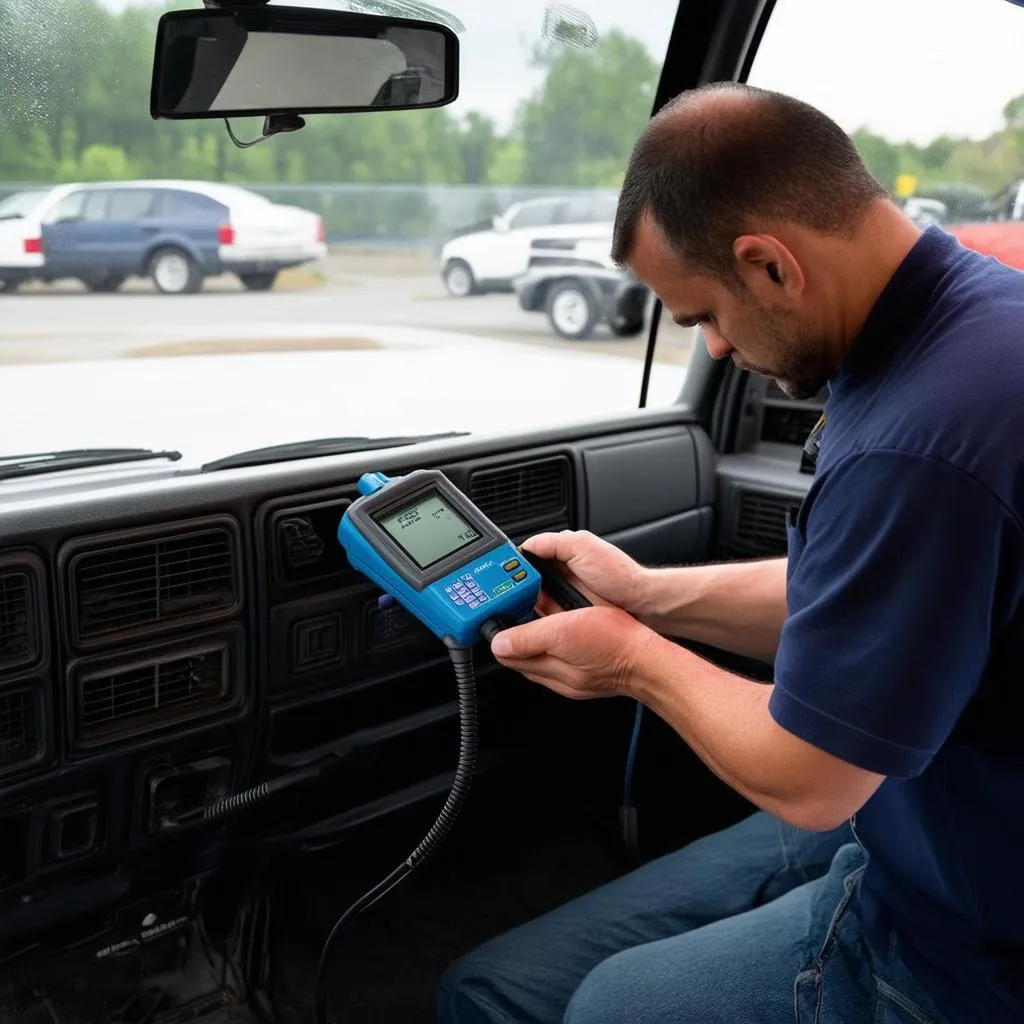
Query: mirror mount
(273, 125)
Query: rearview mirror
(251, 61)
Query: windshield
(349, 279)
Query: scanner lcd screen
(429, 529)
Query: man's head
(742, 210)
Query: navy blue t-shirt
(903, 652)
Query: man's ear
(766, 265)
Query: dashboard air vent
(762, 522)
(517, 496)
(20, 732)
(304, 541)
(20, 637)
(126, 700)
(788, 424)
(149, 585)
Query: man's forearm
(739, 606)
(726, 720)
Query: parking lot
(315, 308)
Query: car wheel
(572, 311)
(104, 285)
(174, 272)
(9, 286)
(459, 280)
(258, 282)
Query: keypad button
(519, 576)
(473, 603)
(512, 563)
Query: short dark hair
(703, 176)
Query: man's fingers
(527, 641)
(543, 545)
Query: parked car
(176, 232)
(488, 257)
(578, 287)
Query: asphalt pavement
(310, 308)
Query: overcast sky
(904, 68)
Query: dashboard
(169, 641)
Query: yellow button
(520, 576)
(511, 564)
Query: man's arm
(725, 719)
(908, 571)
(738, 607)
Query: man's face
(754, 319)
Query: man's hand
(590, 652)
(599, 570)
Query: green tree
(581, 125)
(880, 155)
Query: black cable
(248, 797)
(462, 662)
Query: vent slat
(19, 738)
(130, 701)
(19, 633)
(515, 495)
(138, 586)
(762, 521)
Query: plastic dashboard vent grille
(121, 702)
(119, 591)
(762, 522)
(517, 495)
(788, 425)
(19, 632)
(19, 733)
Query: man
(881, 879)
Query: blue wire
(627, 787)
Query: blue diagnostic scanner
(420, 539)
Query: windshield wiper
(13, 466)
(319, 447)
(12, 216)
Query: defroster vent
(118, 702)
(20, 615)
(530, 493)
(144, 586)
(762, 522)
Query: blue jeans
(757, 923)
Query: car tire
(258, 282)
(174, 272)
(104, 285)
(572, 311)
(459, 280)
(628, 329)
(9, 286)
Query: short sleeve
(893, 597)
